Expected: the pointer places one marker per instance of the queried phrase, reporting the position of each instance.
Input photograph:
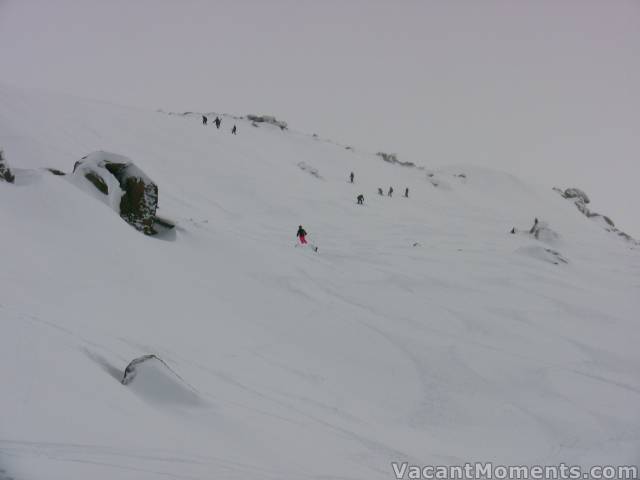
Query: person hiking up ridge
(234, 130)
(204, 120)
(218, 122)
(351, 177)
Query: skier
(351, 177)
(390, 191)
(380, 192)
(360, 199)
(234, 130)
(204, 120)
(535, 225)
(301, 235)
(406, 192)
(218, 122)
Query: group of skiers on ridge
(302, 234)
(360, 197)
(218, 122)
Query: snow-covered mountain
(421, 331)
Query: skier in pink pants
(301, 235)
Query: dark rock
(97, 181)
(57, 172)
(139, 203)
(5, 171)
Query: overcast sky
(546, 89)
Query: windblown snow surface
(421, 331)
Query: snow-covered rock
(541, 231)
(123, 186)
(577, 194)
(153, 380)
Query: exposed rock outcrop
(580, 200)
(5, 171)
(393, 158)
(269, 119)
(577, 194)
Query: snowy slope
(420, 331)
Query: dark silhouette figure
(513, 231)
(234, 130)
(360, 199)
(390, 191)
(535, 224)
(351, 177)
(204, 120)
(301, 235)
(218, 122)
(380, 192)
(406, 192)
